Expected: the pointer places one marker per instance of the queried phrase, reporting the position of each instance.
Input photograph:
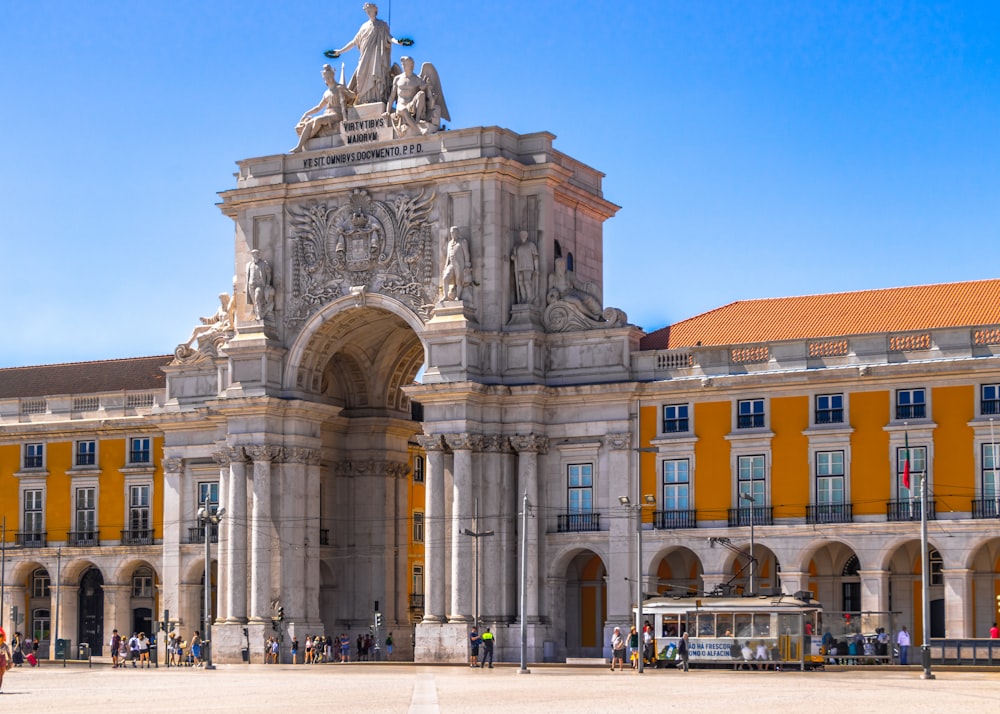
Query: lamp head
(624, 500)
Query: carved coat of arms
(381, 246)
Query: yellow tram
(756, 632)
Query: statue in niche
(525, 259)
(332, 108)
(565, 287)
(457, 266)
(222, 322)
(374, 41)
(260, 291)
(419, 102)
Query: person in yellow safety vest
(488, 642)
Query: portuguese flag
(906, 463)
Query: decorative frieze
(530, 443)
(618, 441)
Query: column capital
(618, 441)
(431, 442)
(464, 441)
(173, 464)
(530, 443)
(263, 452)
(496, 444)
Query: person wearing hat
(6, 658)
(617, 649)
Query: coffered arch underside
(358, 358)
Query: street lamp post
(753, 560)
(647, 501)
(925, 648)
(477, 534)
(208, 519)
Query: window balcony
(417, 602)
(908, 510)
(31, 539)
(762, 516)
(750, 421)
(196, 534)
(578, 522)
(986, 507)
(911, 411)
(83, 538)
(829, 416)
(142, 536)
(989, 407)
(671, 520)
(829, 513)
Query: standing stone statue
(457, 266)
(525, 259)
(370, 81)
(260, 292)
(333, 106)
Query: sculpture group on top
(412, 103)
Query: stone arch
(580, 600)
(984, 564)
(833, 576)
(357, 333)
(904, 568)
(676, 570)
(766, 574)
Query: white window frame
(418, 526)
(92, 454)
(582, 466)
(91, 509)
(764, 414)
(131, 451)
(33, 496)
(816, 410)
(829, 456)
(910, 390)
(419, 469)
(130, 506)
(28, 452)
(673, 486)
(688, 414)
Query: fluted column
(528, 447)
(261, 540)
(434, 530)
(234, 554)
(462, 573)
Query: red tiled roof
(84, 377)
(921, 307)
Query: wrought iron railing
(142, 536)
(908, 510)
(670, 520)
(31, 539)
(83, 538)
(578, 522)
(761, 516)
(829, 513)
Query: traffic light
(378, 620)
(15, 616)
(281, 614)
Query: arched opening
(678, 573)
(586, 605)
(905, 588)
(90, 628)
(834, 578)
(358, 358)
(985, 568)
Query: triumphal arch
(386, 244)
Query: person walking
(488, 642)
(474, 641)
(295, 649)
(617, 649)
(903, 640)
(6, 657)
(115, 644)
(682, 651)
(388, 646)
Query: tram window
(762, 625)
(669, 627)
(706, 625)
(742, 629)
(724, 625)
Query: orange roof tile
(921, 307)
(84, 377)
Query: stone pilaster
(958, 602)
(528, 447)
(462, 572)
(233, 556)
(494, 515)
(621, 528)
(261, 531)
(434, 529)
(874, 590)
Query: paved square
(422, 689)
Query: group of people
(183, 653)
(487, 641)
(134, 649)
(636, 646)
(20, 649)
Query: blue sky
(758, 149)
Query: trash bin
(83, 651)
(246, 654)
(62, 649)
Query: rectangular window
(32, 522)
(581, 488)
(86, 453)
(208, 494)
(750, 414)
(418, 527)
(676, 485)
(34, 456)
(138, 508)
(418, 469)
(918, 470)
(40, 584)
(990, 403)
(829, 408)
(40, 624)
(86, 511)
(751, 480)
(142, 583)
(138, 450)
(675, 418)
(911, 404)
(991, 472)
(829, 478)
(418, 580)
